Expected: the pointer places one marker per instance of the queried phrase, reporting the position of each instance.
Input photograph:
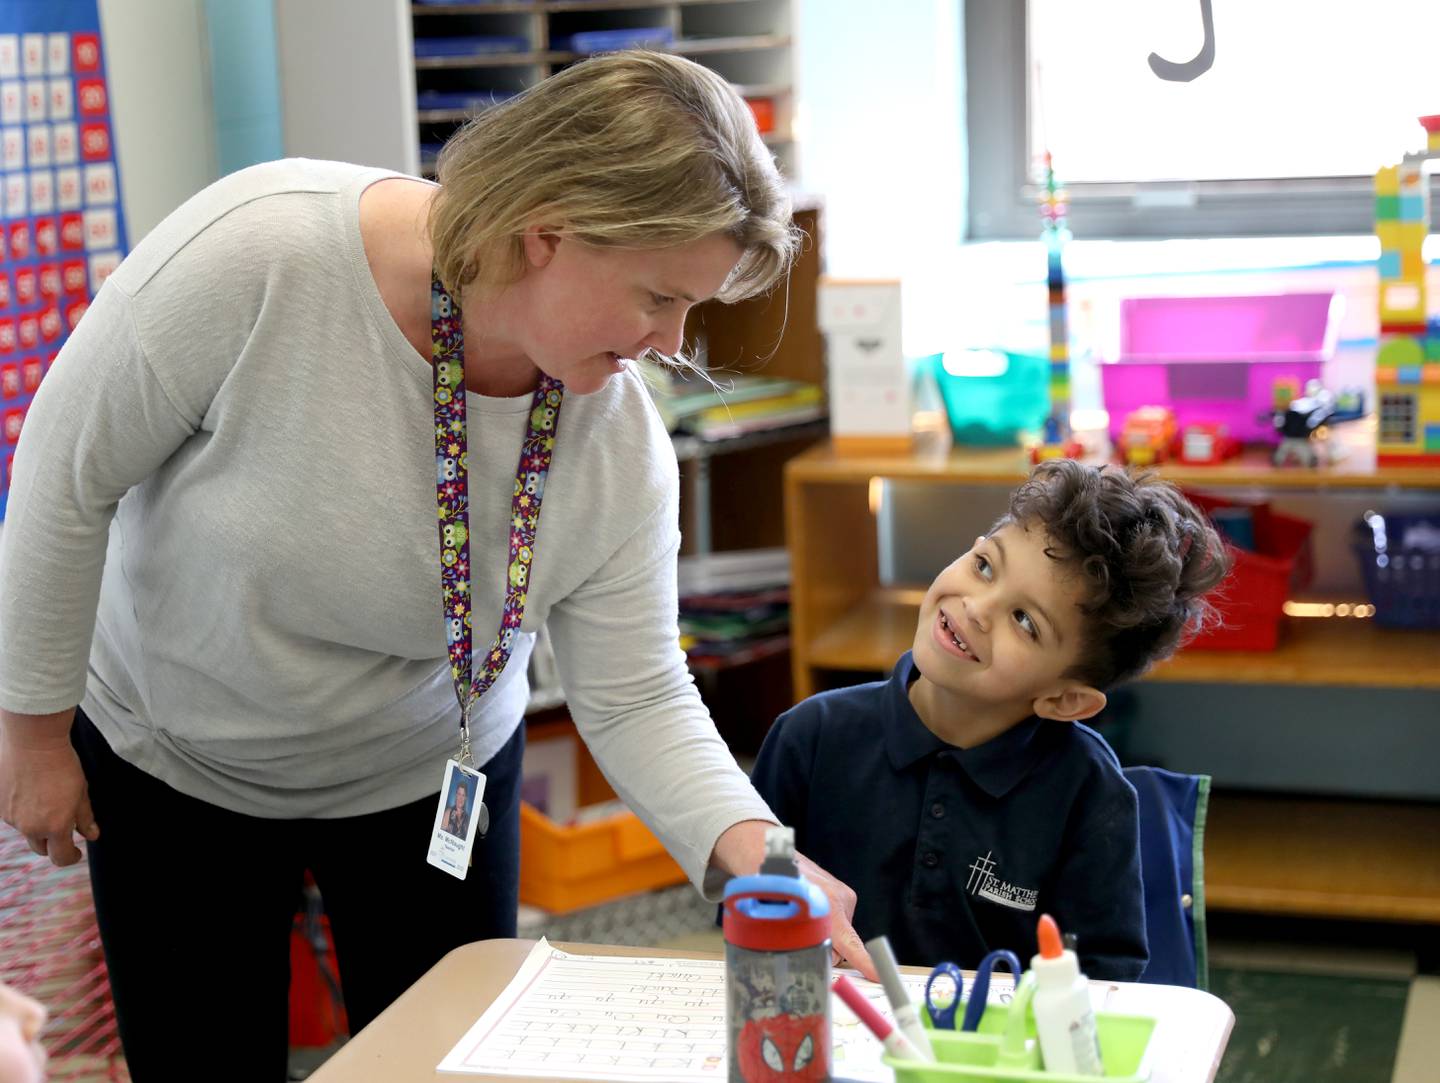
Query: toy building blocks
(1407, 366)
(1056, 441)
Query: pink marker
(895, 1043)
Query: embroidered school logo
(984, 884)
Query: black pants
(195, 905)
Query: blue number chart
(62, 230)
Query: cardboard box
(870, 408)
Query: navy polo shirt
(953, 852)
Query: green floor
(1309, 1028)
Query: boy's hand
(848, 947)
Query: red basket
(317, 1010)
(1252, 598)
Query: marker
(907, 1018)
(895, 1043)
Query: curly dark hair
(1147, 555)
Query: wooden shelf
(1335, 651)
(1010, 466)
(738, 44)
(489, 60)
(527, 7)
(1360, 860)
(496, 8)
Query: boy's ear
(1070, 703)
(540, 241)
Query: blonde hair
(631, 150)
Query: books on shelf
(737, 405)
(734, 607)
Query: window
(1397, 419)
(1282, 134)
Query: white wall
(160, 106)
(881, 129)
(347, 81)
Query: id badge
(461, 814)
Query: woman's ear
(1071, 703)
(541, 242)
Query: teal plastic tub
(991, 396)
(974, 1057)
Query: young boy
(960, 799)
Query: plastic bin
(1400, 559)
(1252, 598)
(763, 110)
(567, 866)
(971, 1057)
(1217, 359)
(991, 396)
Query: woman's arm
(617, 647)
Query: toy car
(1148, 435)
(1205, 443)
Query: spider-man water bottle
(777, 971)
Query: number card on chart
(63, 225)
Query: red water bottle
(777, 971)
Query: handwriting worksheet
(638, 1020)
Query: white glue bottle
(1064, 1018)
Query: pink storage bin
(1218, 358)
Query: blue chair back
(1172, 870)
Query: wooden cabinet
(1359, 859)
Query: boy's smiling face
(999, 629)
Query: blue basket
(605, 41)
(1400, 558)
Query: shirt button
(937, 810)
(930, 859)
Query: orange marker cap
(1048, 934)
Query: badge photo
(460, 815)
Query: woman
(457, 814)
(252, 399)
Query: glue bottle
(1064, 1019)
(777, 970)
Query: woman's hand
(739, 852)
(849, 948)
(42, 787)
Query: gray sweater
(267, 632)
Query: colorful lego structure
(1407, 367)
(1056, 441)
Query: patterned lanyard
(453, 501)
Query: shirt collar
(996, 766)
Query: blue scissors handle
(943, 1015)
(980, 989)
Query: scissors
(980, 988)
(942, 1007)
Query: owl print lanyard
(453, 503)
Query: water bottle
(777, 971)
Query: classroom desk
(412, 1036)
